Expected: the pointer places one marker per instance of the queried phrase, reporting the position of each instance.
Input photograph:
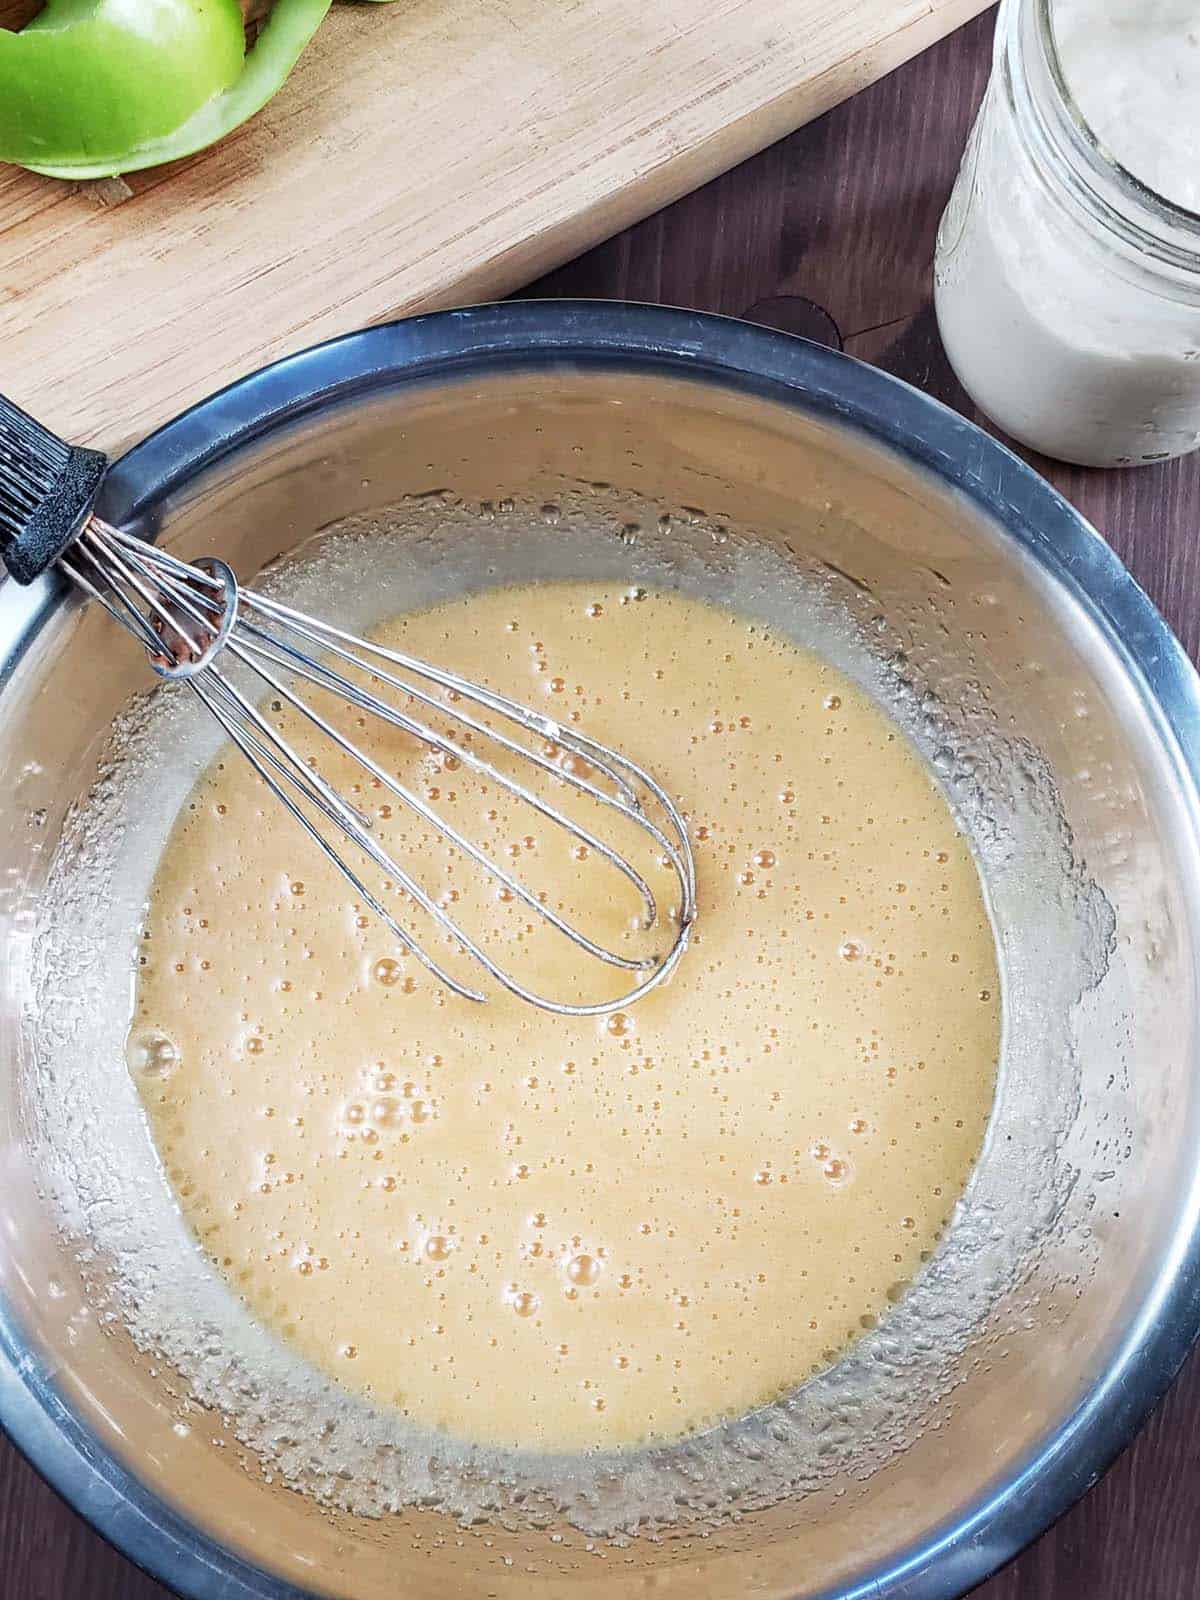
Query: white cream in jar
(1067, 279)
(1133, 69)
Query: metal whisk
(195, 621)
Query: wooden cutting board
(423, 154)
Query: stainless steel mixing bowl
(1008, 627)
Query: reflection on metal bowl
(1059, 715)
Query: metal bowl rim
(726, 353)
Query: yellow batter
(559, 1233)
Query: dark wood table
(830, 234)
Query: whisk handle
(47, 491)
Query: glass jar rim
(1154, 225)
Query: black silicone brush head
(47, 491)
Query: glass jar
(1067, 292)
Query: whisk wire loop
(195, 618)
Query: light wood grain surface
(423, 154)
